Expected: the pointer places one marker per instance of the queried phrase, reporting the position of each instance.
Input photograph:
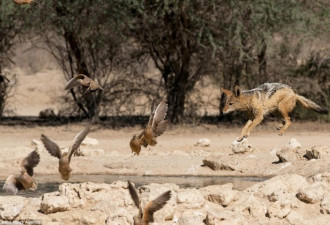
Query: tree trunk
(176, 93)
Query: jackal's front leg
(244, 131)
(249, 125)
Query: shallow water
(50, 183)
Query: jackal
(263, 100)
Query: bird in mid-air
(155, 127)
(65, 157)
(84, 81)
(146, 215)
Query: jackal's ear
(226, 92)
(237, 91)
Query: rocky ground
(283, 199)
(297, 192)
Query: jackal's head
(233, 100)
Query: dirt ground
(175, 153)
(40, 85)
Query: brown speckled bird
(146, 215)
(65, 157)
(85, 81)
(24, 181)
(22, 2)
(156, 127)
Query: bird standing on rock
(156, 127)
(65, 157)
(85, 81)
(24, 181)
(146, 215)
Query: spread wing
(160, 129)
(51, 146)
(134, 194)
(12, 185)
(156, 204)
(152, 113)
(29, 162)
(77, 141)
(74, 82)
(135, 197)
(159, 116)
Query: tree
(10, 28)
(176, 36)
(85, 38)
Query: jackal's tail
(308, 104)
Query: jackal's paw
(280, 133)
(241, 138)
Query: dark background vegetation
(187, 42)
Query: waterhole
(50, 183)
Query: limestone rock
(53, 202)
(191, 217)
(203, 142)
(10, 207)
(296, 219)
(225, 217)
(325, 204)
(290, 183)
(191, 198)
(288, 154)
(241, 147)
(293, 144)
(313, 193)
(317, 152)
(250, 205)
(320, 177)
(220, 194)
(279, 209)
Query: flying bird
(85, 81)
(65, 157)
(146, 215)
(23, 181)
(156, 127)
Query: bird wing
(12, 186)
(134, 194)
(156, 205)
(51, 146)
(73, 82)
(160, 129)
(152, 113)
(77, 141)
(31, 161)
(159, 115)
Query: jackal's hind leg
(285, 107)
